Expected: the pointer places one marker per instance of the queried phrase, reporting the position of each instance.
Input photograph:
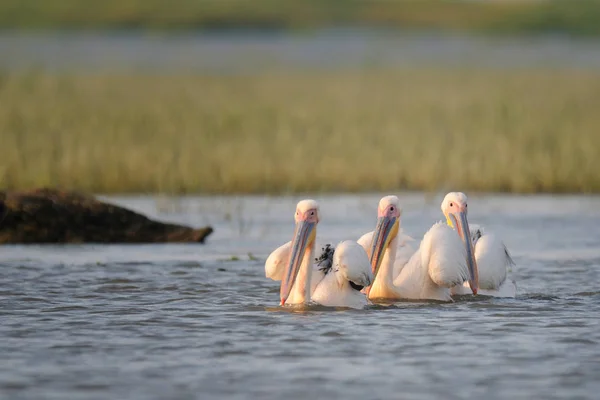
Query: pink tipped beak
(462, 225)
(299, 246)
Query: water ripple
(153, 322)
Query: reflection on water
(201, 321)
(242, 52)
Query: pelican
(335, 280)
(492, 256)
(441, 262)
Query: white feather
(493, 262)
(350, 263)
(444, 254)
(439, 264)
(404, 252)
(366, 240)
(277, 262)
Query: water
(253, 52)
(201, 321)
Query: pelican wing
(351, 263)
(277, 262)
(493, 261)
(366, 240)
(443, 254)
(350, 270)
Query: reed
(503, 131)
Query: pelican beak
(385, 232)
(462, 225)
(304, 236)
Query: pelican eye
(451, 204)
(355, 286)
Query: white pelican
(491, 255)
(441, 262)
(335, 280)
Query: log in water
(54, 216)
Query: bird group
(452, 259)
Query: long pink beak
(462, 225)
(299, 246)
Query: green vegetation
(575, 17)
(516, 131)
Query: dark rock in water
(54, 216)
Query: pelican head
(388, 224)
(455, 210)
(306, 218)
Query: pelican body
(337, 278)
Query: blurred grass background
(513, 131)
(577, 17)
(374, 129)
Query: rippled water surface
(202, 321)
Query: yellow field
(526, 131)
